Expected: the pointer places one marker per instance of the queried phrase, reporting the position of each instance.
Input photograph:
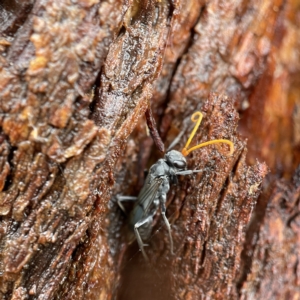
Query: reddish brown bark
(275, 267)
(76, 79)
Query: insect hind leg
(169, 231)
(147, 220)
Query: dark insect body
(157, 184)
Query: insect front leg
(121, 199)
(163, 199)
(188, 172)
(146, 221)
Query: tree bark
(76, 80)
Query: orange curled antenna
(197, 118)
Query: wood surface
(79, 82)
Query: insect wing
(148, 194)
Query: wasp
(157, 184)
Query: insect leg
(163, 212)
(188, 172)
(147, 220)
(121, 199)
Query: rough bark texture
(275, 267)
(76, 79)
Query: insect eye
(179, 164)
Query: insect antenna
(197, 118)
(176, 140)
